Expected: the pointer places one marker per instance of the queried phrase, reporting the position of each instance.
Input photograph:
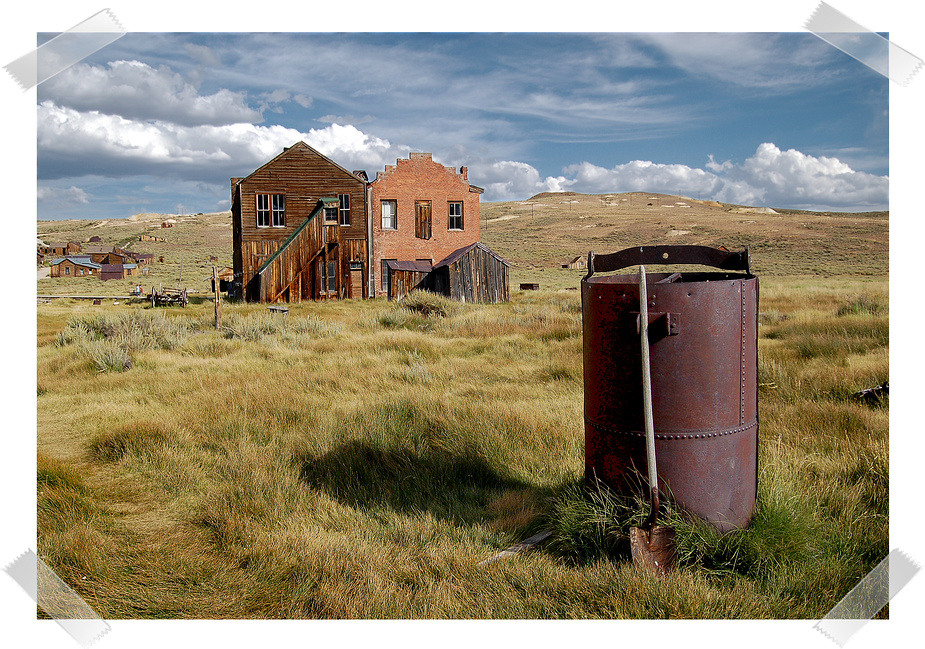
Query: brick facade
(420, 233)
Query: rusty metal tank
(703, 337)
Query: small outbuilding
(474, 273)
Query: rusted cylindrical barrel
(703, 337)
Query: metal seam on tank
(701, 434)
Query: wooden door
(356, 279)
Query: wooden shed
(300, 230)
(472, 274)
(577, 262)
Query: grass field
(360, 459)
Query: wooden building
(118, 271)
(474, 273)
(60, 249)
(577, 262)
(74, 267)
(300, 229)
(405, 276)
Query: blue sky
(159, 122)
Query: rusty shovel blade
(655, 549)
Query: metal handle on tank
(639, 255)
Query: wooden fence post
(218, 299)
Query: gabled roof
(286, 151)
(78, 261)
(454, 256)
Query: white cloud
(771, 177)
(135, 90)
(62, 195)
(794, 179)
(74, 143)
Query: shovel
(652, 546)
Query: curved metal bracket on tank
(703, 255)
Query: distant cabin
(577, 262)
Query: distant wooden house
(225, 279)
(99, 254)
(60, 249)
(474, 273)
(117, 271)
(148, 237)
(300, 230)
(132, 257)
(577, 262)
(74, 267)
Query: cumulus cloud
(74, 143)
(770, 177)
(511, 180)
(62, 195)
(137, 91)
(794, 179)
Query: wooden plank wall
(284, 271)
(402, 282)
(478, 276)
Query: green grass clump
(428, 304)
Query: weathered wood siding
(302, 176)
(287, 277)
(477, 275)
(402, 282)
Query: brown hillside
(550, 229)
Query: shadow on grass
(453, 487)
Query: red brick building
(422, 212)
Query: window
(385, 274)
(67, 270)
(344, 211)
(456, 216)
(271, 210)
(327, 274)
(330, 215)
(422, 219)
(332, 276)
(388, 215)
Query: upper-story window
(344, 211)
(389, 209)
(271, 210)
(456, 215)
(422, 219)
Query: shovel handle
(647, 381)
